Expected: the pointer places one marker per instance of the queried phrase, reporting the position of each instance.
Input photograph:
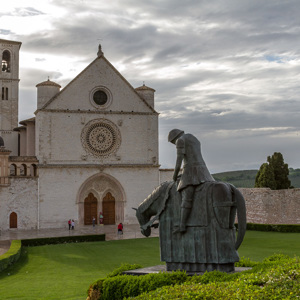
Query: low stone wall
(265, 206)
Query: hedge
(11, 256)
(63, 239)
(277, 277)
(116, 286)
(273, 227)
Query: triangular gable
(79, 88)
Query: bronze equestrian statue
(196, 214)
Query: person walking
(94, 221)
(73, 224)
(69, 223)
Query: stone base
(162, 268)
(200, 268)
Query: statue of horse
(210, 242)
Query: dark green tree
(265, 177)
(281, 171)
(274, 173)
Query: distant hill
(246, 178)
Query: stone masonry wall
(19, 197)
(265, 206)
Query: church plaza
(131, 231)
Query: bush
(97, 287)
(117, 286)
(276, 278)
(123, 268)
(279, 257)
(123, 286)
(11, 256)
(63, 239)
(245, 262)
(273, 227)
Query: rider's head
(174, 135)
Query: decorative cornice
(96, 166)
(79, 111)
(8, 79)
(23, 159)
(3, 41)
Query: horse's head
(143, 221)
(152, 206)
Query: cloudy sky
(226, 71)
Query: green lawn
(65, 271)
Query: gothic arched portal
(107, 196)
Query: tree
(265, 177)
(274, 173)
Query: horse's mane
(162, 188)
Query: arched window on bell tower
(5, 61)
(4, 93)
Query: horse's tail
(241, 215)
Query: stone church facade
(92, 147)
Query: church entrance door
(90, 209)
(108, 209)
(13, 220)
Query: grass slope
(246, 178)
(240, 179)
(66, 271)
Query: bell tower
(9, 89)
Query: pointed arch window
(5, 61)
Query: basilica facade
(91, 148)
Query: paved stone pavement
(4, 246)
(129, 232)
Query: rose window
(100, 137)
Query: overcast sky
(226, 71)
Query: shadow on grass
(92, 256)
(17, 266)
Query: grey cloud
(40, 59)
(5, 32)
(232, 47)
(31, 77)
(26, 12)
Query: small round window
(100, 98)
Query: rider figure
(194, 171)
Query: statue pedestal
(200, 268)
(162, 268)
